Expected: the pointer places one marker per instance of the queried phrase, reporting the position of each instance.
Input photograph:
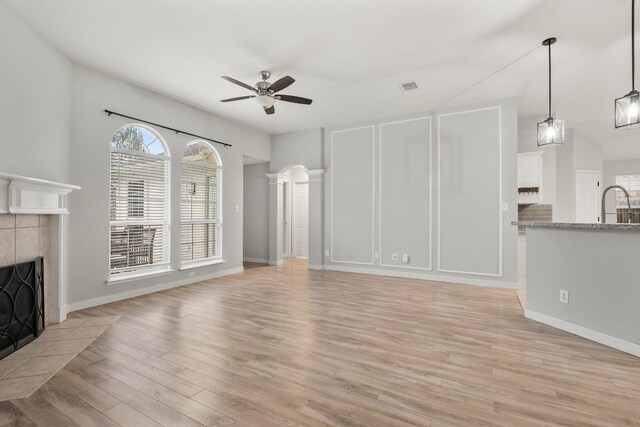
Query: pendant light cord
(633, 44)
(550, 78)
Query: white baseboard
(277, 262)
(256, 260)
(424, 276)
(315, 267)
(80, 305)
(581, 331)
(59, 314)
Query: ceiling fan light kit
(551, 130)
(265, 101)
(265, 92)
(628, 106)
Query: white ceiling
(350, 56)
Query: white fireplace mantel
(22, 195)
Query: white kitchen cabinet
(530, 177)
(530, 169)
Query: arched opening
(295, 212)
(314, 235)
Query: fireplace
(21, 305)
(26, 205)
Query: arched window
(139, 207)
(201, 207)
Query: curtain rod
(109, 113)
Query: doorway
(295, 218)
(587, 196)
(300, 220)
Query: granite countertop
(577, 226)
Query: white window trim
(188, 265)
(131, 277)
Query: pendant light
(550, 131)
(627, 107)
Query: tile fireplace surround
(33, 222)
(24, 238)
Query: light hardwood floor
(281, 346)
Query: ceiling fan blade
(270, 110)
(238, 82)
(294, 99)
(283, 83)
(237, 99)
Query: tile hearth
(29, 368)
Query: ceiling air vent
(406, 87)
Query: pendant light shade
(628, 107)
(551, 130)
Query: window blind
(139, 211)
(632, 184)
(201, 212)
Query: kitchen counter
(577, 226)
(596, 265)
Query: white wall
(91, 134)
(579, 152)
(563, 210)
(587, 153)
(35, 102)
(256, 213)
(297, 148)
(472, 161)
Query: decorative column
(316, 219)
(276, 230)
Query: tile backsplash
(537, 212)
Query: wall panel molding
(332, 196)
(381, 156)
(499, 272)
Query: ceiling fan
(266, 93)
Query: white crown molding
(275, 178)
(316, 174)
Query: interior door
(301, 219)
(587, 196)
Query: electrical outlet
(405, 258)
(326, 253)
(376, 255)
(505, 207)
(564, 296)
(395, 257)
(192, 274)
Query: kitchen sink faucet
(604, 193)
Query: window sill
(201, 263)
(124, 278)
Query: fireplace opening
(21, 305)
